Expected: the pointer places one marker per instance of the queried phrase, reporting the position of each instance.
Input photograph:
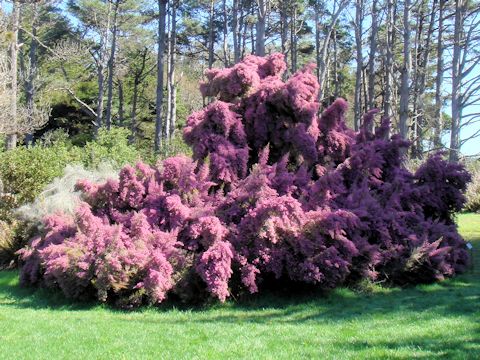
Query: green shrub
(6, 244)
(8, 202)
(112, 147)
(25, 171)
(473, 189)
(13, 237)
(175, 146)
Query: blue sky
(471, 147)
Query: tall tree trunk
(456, 81)
(101, 89)
(11, 141)
(137, 78)
(211, 35)
(171, 74)
(336, 83)
(100, 73)
(111, 66)
(327, 91)
(121, 101)
(284, 28)
(133, 124)
(359, 58)
(422, 82)
(252, 32)
(405, 79)
(242, 31)
(166, 131)
(322, 48)
(226, 60)
(32, 71)
(418, 48)
(363, 109)
(437, 140)
(293, 39)
(162, 9)
(318, 30)
(387, 97)
(236, 31)
(261, 22)
(371, 56)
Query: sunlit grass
(430, 321)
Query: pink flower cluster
(275, 193)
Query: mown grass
(432, 321)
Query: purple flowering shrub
(275, 193)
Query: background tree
(416, 61)
(162, 8)
(405, 73)
(465, 74)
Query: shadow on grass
(14, 295)
(455, 297)
(452, 298)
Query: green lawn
(436, 321)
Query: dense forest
(89, 64)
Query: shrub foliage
(473, 189)
(26, 171)
(274, 194)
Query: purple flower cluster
(274, 191)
